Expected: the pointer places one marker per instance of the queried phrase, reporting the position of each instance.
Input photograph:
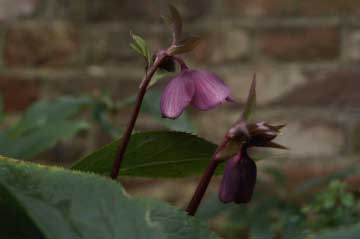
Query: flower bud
(239, 179)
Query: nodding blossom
(239, 177)
(199, 88)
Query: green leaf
(31, 144)
(43, 112)
(100, 115)
(141, 47)
(137, 48)
(175, 225)
(153, 154)
(49, 202)
(43, 124)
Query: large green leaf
(43, 124)
(175, 225)
(31, 144)
(153, 154)
(48, 202)
(44, 112)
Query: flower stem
(201, 188)
(204, 181)
(140, 96)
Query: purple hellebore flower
(200, 88)
(239, 179)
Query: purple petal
(210, 90)
(177, 95)
(239, 179)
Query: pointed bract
(185, 45)
(176, 23)
(239, 179)
(210, 90)
(250, 102)
(177, 95)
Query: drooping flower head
(240, 172)
(199, 88)
(239, 179)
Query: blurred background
(69, 62)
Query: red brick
(281, 8)
(34, 44)
(108, 45)
(300, 44)
(329, 8)
(110, 10)
(119, 87)
(327, 87)
(259, 7)
(223, 45)
(17, 93)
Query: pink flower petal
(177, 95)
(210, 90)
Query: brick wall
(305, 54)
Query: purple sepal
(210, 90)
(200, 88)
(177, 95)
(239, 179)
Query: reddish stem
(205, 180)
(140, 96)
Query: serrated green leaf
(153, 154)
(31, 144)
(49, 202)
(175, 225)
